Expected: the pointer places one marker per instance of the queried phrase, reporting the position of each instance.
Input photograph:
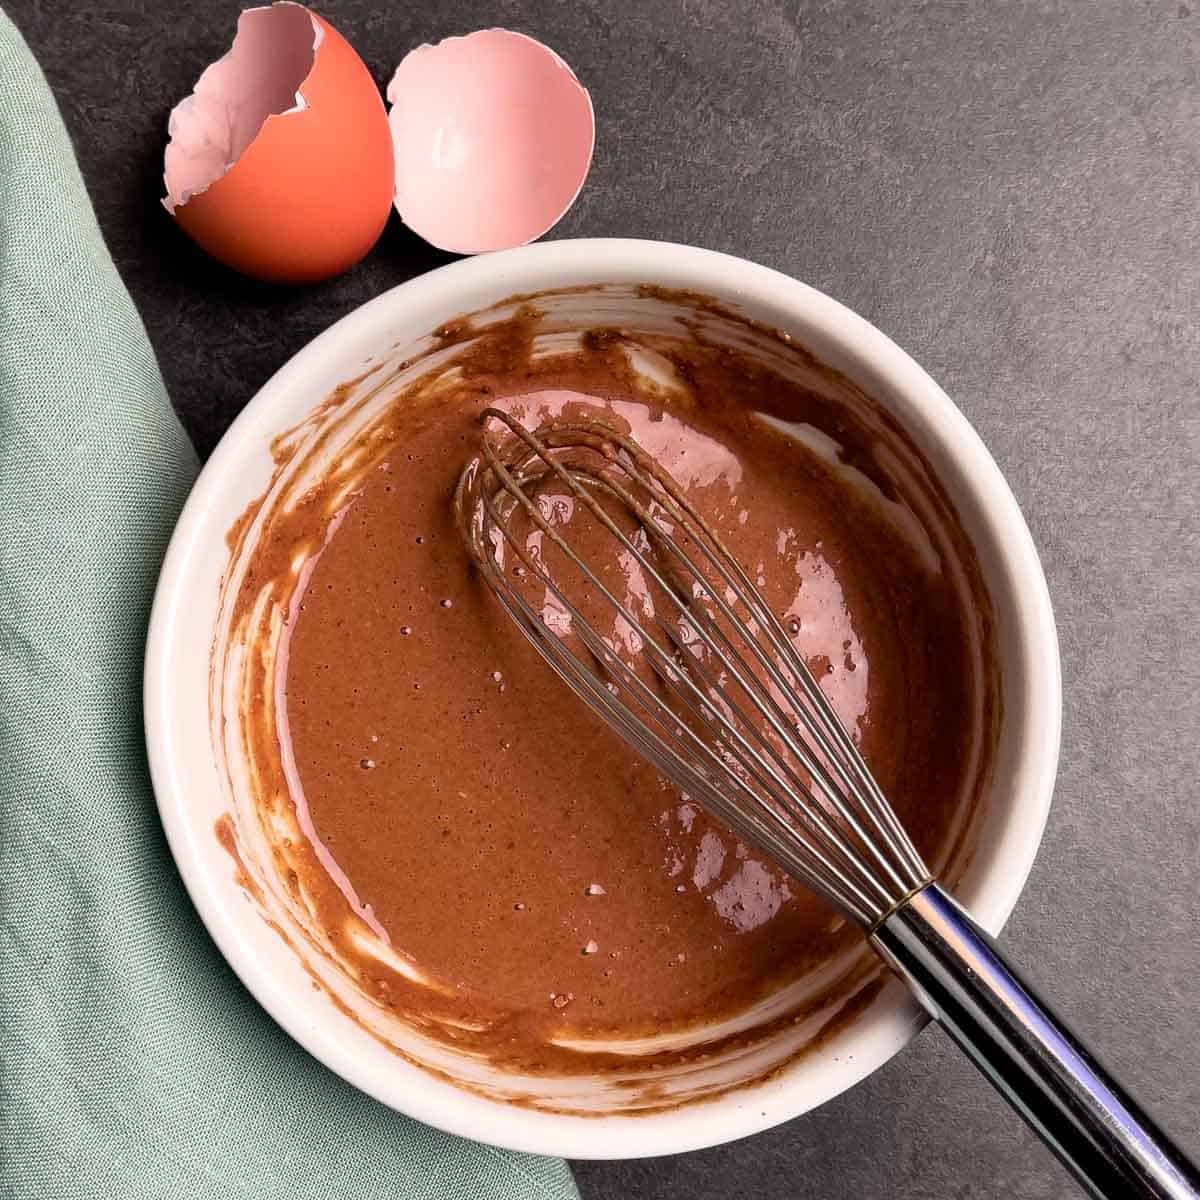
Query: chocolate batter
(537, 876)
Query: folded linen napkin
(132, 1062)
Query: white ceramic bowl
(182, 757)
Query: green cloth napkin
(133, 1063)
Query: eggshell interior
(259, 77)
(493, 137)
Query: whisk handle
(1074, 1105)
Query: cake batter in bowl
(516, 932)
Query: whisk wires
(724, 705)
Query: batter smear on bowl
(481, 859)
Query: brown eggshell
(311, 193)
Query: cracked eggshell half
(280, 162)
(493, 140)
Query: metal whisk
(706, 684)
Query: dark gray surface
(1012, 192)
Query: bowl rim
(444, 293)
